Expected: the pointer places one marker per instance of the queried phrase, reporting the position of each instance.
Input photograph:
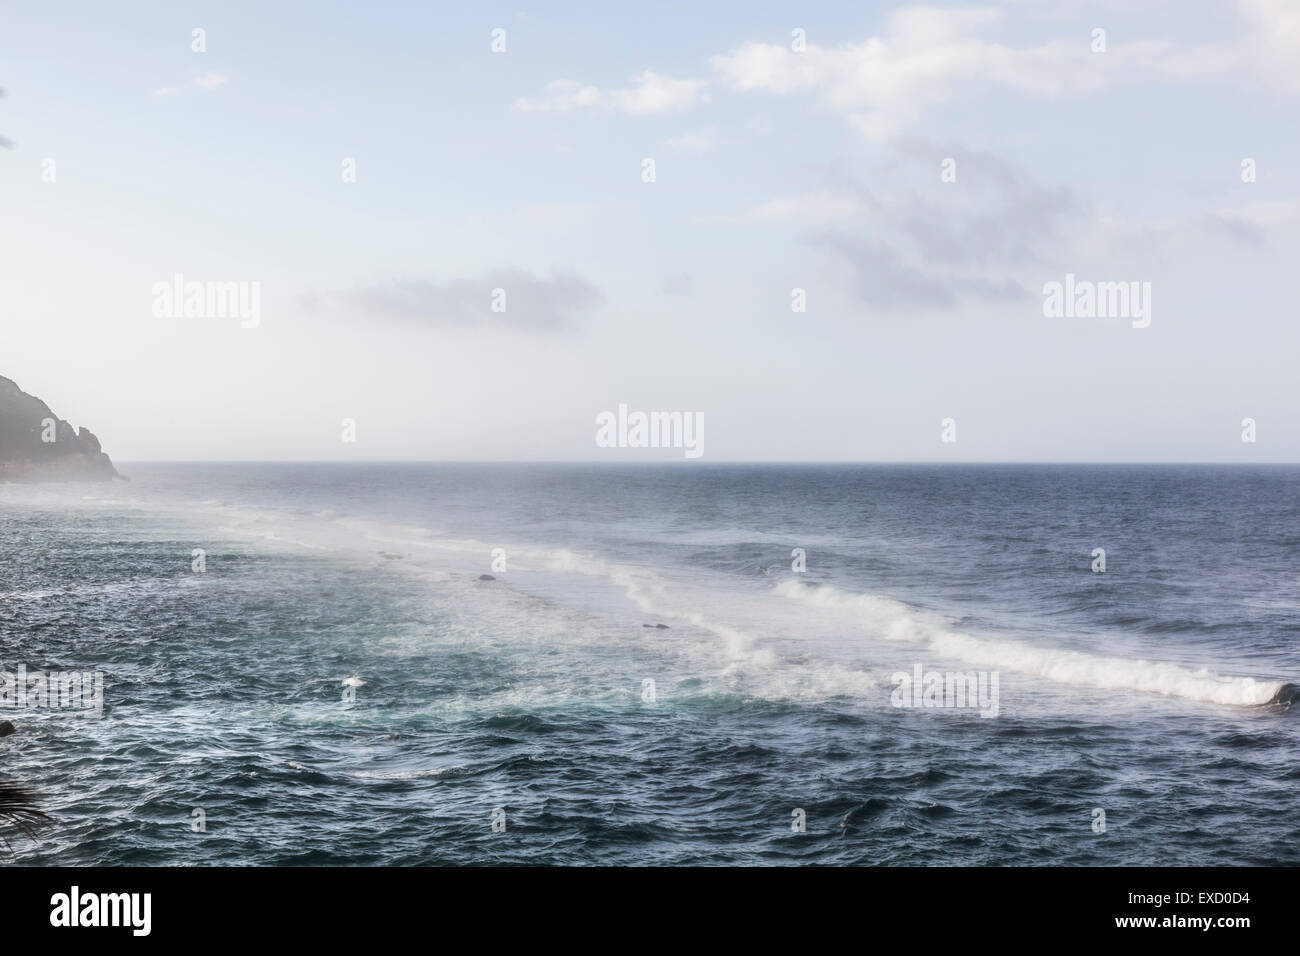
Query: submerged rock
(37, 445)
(662, 627)
(486, 577)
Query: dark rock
(74, 455)
(6, 728)
(662, 627)
(486, 577)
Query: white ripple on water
(898, 622)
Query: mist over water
(1151, 691)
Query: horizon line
(673, 461)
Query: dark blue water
(1143, 691)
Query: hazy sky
(775, 169)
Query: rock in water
(6, 728)
(37, 445)
(486, 577)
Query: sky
(921, 174)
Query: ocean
(666, 664)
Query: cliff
(36, 445)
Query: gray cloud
(934, 247)
(882, 278)
(531, 302)
(994, 214)
(1235, 228)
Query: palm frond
(18, 809)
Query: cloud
(936, 244)
(1243, 224)
(693, 142)
(996, 213)
(211, 80)
(880, 277)
(656, 94)
(1236, 229)
(1272, 41)
(531, 302)
(208, 81)
(560, 96)
(820, 206)
(999, 215)
(651, 93)
(927, 56)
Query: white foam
(895, 621)
(744, 623)
(400, 774)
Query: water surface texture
(1155, 691)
